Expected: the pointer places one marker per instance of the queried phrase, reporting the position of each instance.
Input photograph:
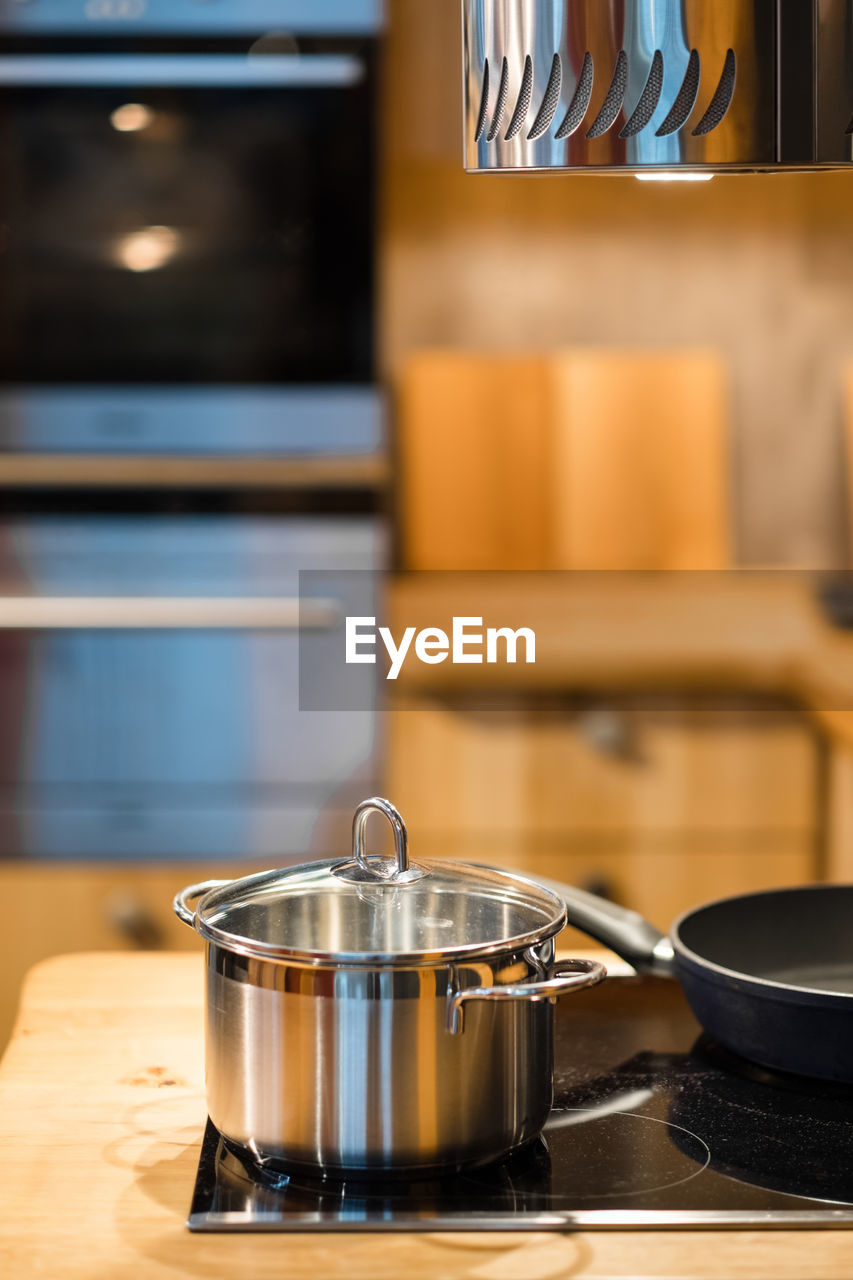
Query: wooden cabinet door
(661, 808)
(61, 907)
(579, 459)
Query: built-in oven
(187, 227)
(149, 685)
(188, 417)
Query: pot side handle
(180, 900)
(564, 977)
(626, 932)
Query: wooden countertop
(101, 1116)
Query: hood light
(674, 177)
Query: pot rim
(259, 949)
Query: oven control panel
(79, 17)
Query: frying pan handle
(626, 932)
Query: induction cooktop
(653, 1125)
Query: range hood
(674, 87)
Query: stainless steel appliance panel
(223, 16)
(584, 85)
(157, 738)
(618, 85)
(193, 421)
(177, 274)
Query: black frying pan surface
(769, 975)
(793, 937)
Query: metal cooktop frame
(204, 1218)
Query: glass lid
(376, 910)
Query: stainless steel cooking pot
(375, 1014)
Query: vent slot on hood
(721, 100)
(580, 102)
(523, 104)
(500, 108)
(683, 106)
(547, 111)
(612, 105)
(647, 106)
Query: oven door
(149, 692)
(186, 246)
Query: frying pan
(769, 975)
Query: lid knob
(401, 837)
(364, 870)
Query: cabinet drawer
(469, 767)
(77, 907)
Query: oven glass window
(167, 234)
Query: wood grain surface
(474, 435)
(639, 474)
(757, 632)
(101, 1115)
(576, 459)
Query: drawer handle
(135, 922)
(161, 613)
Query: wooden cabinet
(474, 446)
(578, 459)
(52, 908)
(660, 806)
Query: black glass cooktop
(653, 1125)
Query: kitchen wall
(759, 267)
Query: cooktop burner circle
(608, 1155)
